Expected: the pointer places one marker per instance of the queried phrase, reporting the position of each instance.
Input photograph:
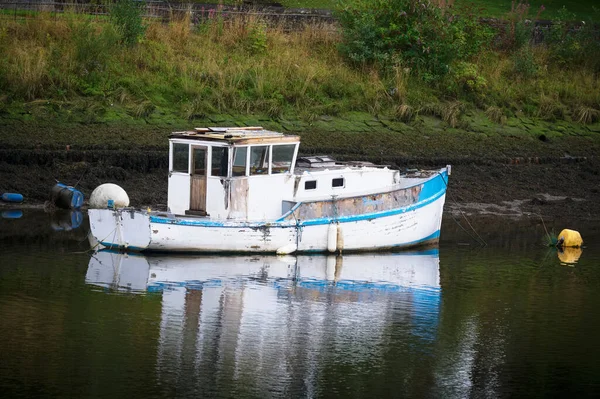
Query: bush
(257, 38)
(126, 16)
(519, 30)
(524, 63)
(412, 33)
(467, 77)
(574, 44)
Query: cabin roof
(235, 135)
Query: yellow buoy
(569, 238)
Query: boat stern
(120, 229)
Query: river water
(511, 319)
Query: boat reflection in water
(277, 319)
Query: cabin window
(259, 160)
(220, 158)
(180, 156)
(310, 185)
(239, 161)
(337, 182)
(199, 160)
(282, 158)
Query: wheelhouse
(230, 173)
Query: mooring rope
(480, 240)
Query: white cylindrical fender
(332, 237)
(105, 192)
(340, 238)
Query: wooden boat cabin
(251, 173)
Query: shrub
(412, 33)
(467, 77)
(574, 44)
(524, 63)
(126, 15)
(257, 38)
(519, 28)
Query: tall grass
(246, 65)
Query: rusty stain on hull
(333, 208)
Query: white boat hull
(416, 224)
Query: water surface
(509, 319)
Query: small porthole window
(337, 182)
(310, 185)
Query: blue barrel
(12, 214)
(66, 197)
(12, 197)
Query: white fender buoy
(332, 237)
(105, 192)
(340, 238)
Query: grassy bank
(73, 69)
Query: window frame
(246, 163)
(292, 161)
(229, 171)
(310, 181)
(172, 157)
(343, 185)
(269, 160)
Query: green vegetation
(73, 68)
(582, 9)
(420, 36)
(126, 16)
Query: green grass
(74, 70)
(583, 9)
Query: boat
(245, 189)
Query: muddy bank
(553, 190)
(523, 167)
(556, 187)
